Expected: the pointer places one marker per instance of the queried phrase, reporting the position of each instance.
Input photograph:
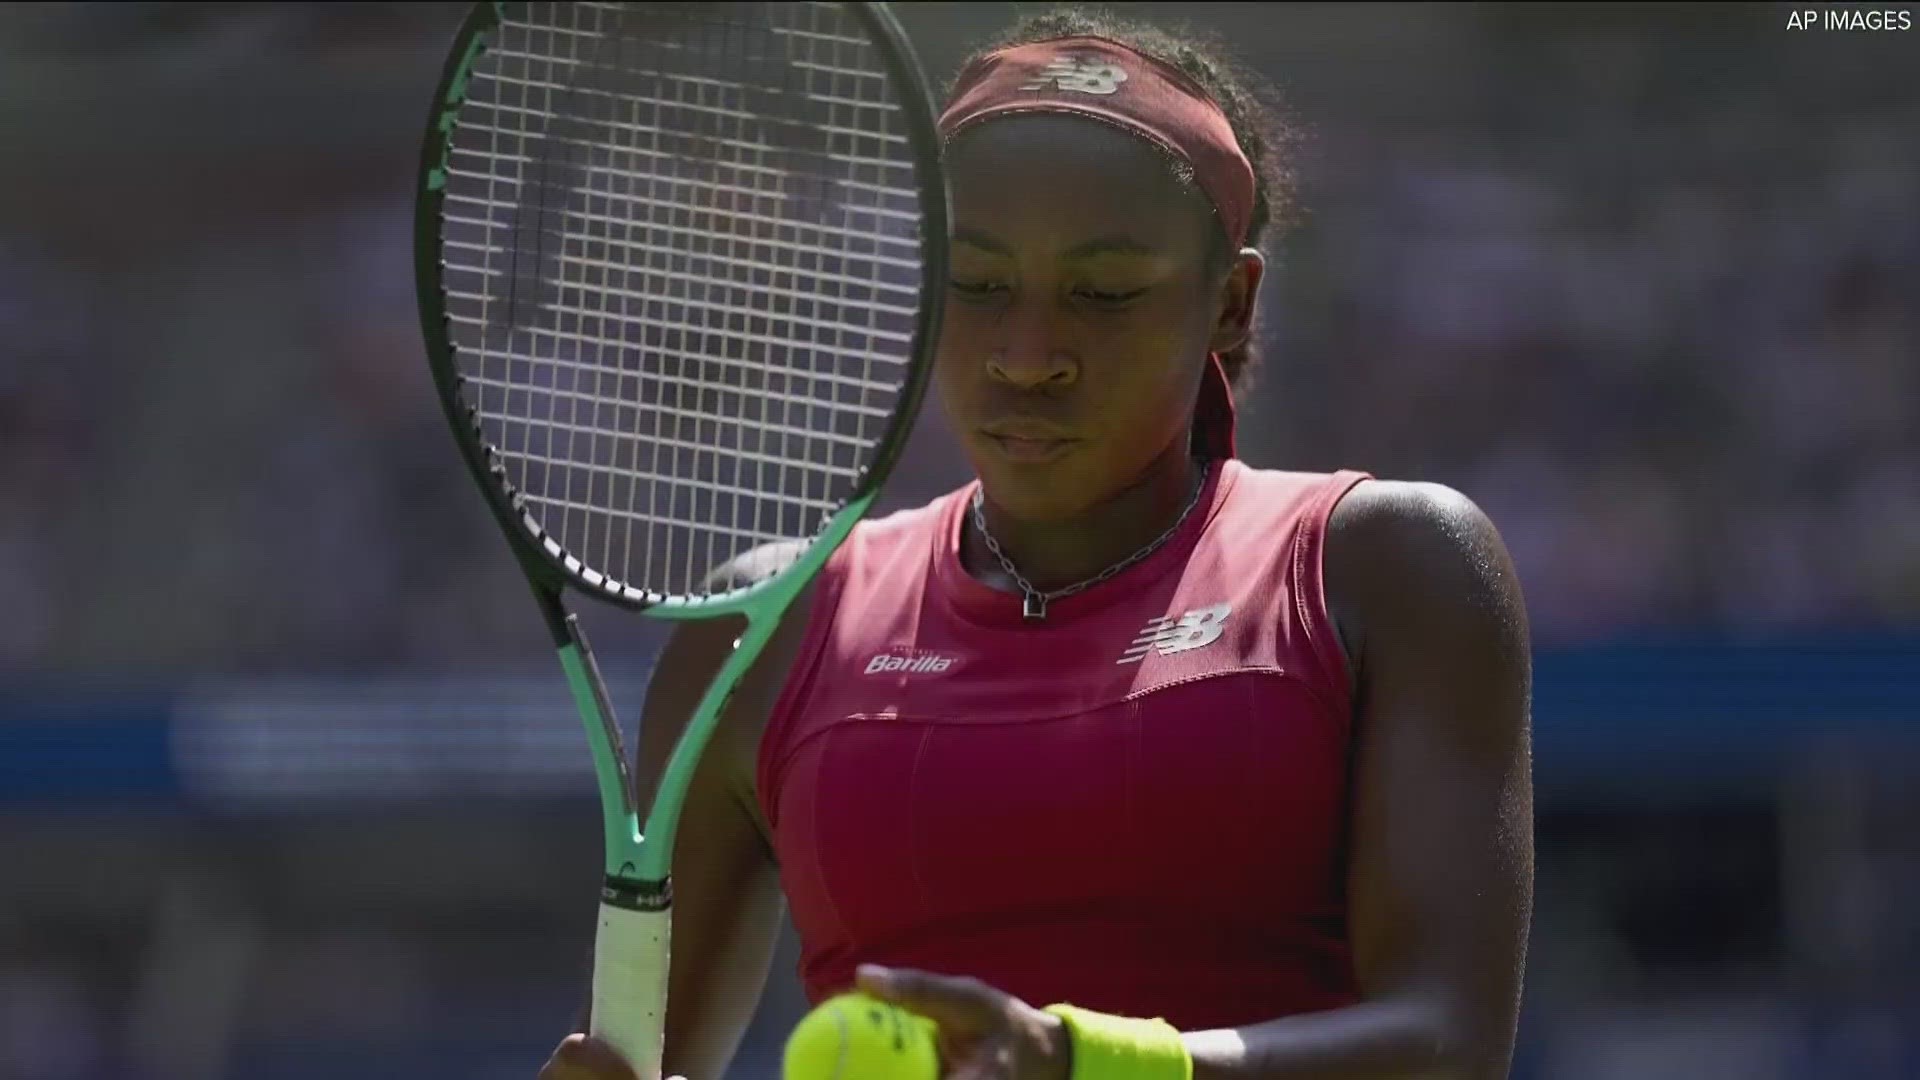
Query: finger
(583, 1057)
(980, 1070)
(560, 1064)
(965, 1004)
(991, 1059)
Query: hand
(984, 1034)
(582, 1057)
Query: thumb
(581, 1057)
(957, 1004)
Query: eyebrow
(1112, 243)
(966, 234)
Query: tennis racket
(680, 270)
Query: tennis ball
(856, 1037)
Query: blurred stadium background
(1641, 279)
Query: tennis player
(1125, 761)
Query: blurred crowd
(1652, 305)
(1639, 279)
(1658, 322)
(1665, 337)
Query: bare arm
(1440, 884)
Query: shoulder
(1375, 527)
(1260, 507)
(889, 530)
(913, 521)
(1409, 559)
(894, 543)
(1410, 525)
(755, 565)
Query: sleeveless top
(1136, 806)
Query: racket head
(781, 155)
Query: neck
(1057, 554)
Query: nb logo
(1167, 635)
(1085, 75)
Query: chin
(1034, 494)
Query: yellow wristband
(1123, 1048)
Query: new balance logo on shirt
(1168, 635)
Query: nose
(1030, 355)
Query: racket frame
(635, 859)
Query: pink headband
(1105, 80)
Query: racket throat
(619, 802)
(628, 894)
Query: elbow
(1443, 1038)
(1465, 1043)
(1469, 1067)
(1464, 1066)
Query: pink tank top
(1136, 806)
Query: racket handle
(630, 985)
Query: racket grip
(630, 952)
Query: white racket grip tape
(630, 985)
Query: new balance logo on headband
(1167, 635)
(1083, 74)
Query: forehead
(1059, 177)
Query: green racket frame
(638, 859)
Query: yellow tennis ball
(856, 1037)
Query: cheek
(956, 349)
(969, 329)
(956, 374)
(1154, 353)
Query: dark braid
(1263, 131)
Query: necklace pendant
(1034, 607)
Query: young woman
(1232, 764)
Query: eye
(976, 290)
(1108, 296)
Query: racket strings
(682, 269)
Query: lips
(1027, 444)
(1031, 450)
(1027, 430)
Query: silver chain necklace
(1033, 607)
